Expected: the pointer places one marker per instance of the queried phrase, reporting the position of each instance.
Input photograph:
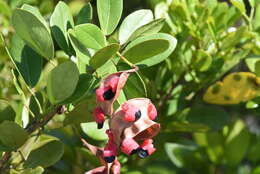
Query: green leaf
(35, 11)
(61, 20)
(148, 29)
(109, 14)
(212, 116)
(45, 154)
(93, 132)
(26, 60)
(145, 51)
(103, 55)
(85, 87)
(240, 5)
(257, 68)
(37, 170)
(132, 22)
(33, 32)
(6, 111)
(85, 15)
(202, 61)
(180, 154)
(256, 21)
(82, 112)
(12, 135)
(90, 36)
(4, 8)
(251, 61)
(238, 140)
(252, 3)
(62, 82)
(82, 52)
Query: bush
(195, 62)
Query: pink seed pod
(142, 129)
(109, 90)
(148, 146)
(99, 116)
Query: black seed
(109, 159)
(134, 151)
(138, 115)
(100, 125)
(108, 95)
(142, 153)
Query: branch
(30, 129)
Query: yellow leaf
(235, 88)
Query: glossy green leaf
(33, 32)
(91, 130)
(61, 20)
(202, 61)
(240, 5)
(109, 14)
(62, 82)
(257, 68)
(4, 8)
(148, 29)
(81, 50)
(85, 15)
(256, 21)
(103, 55)
(90, 36)
(145, 51)
(82, 112)
(85, 87)
(26, 60)
(238, 140)
(179, 154)
(45, 154)
(6, 111)
(35, 11)
(250, 62)
(12, 135)
(132, 22)
(212, 116)
(37, 170)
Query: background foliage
(206, 91)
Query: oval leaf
(109, 14)
(93, 132)
(45, 155)
(26, 60)
(148, 29)
(162, 52)
(85, 14)
(132, 22)
(12, 135)
(61, 20)
(6, 111)
(62, 82)
(103, 55)
(33, 32)
(90, 36)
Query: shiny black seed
(109, 159)
(100, 125)
(138, 115)
(134, 151)
(108, 95)
(142, 153)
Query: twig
(30, 129)
(125, 60)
